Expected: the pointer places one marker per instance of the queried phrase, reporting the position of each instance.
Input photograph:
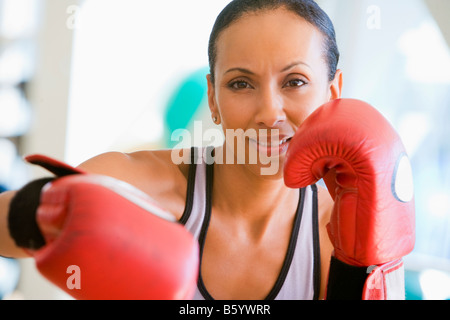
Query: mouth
(271, 146)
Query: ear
(336, 86)
(212, 97)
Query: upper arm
(152, 172)
(154, 165)
(112, 164)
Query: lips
(268, 141)
(271, 146)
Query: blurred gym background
(78, 78)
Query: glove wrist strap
(22, 224)
(345, 282)
(384, 282)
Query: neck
(257, 199)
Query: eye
(239, 85)
(295, 83)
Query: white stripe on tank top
(299, 278)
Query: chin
(271, 168)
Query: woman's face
(270, 74)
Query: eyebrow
(246, 71)
(243, 70)
(294, 64)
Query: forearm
(7, 246)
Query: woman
(272, 63)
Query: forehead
(270, 39)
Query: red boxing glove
(364, 164)
(121, 243)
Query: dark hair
(307, 9)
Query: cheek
(235, 111)
(298, 108)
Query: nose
(270, 111)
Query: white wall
(49, 97)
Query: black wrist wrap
(22, 215)
(345, 282)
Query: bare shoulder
(125, 165)
(153, 171)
